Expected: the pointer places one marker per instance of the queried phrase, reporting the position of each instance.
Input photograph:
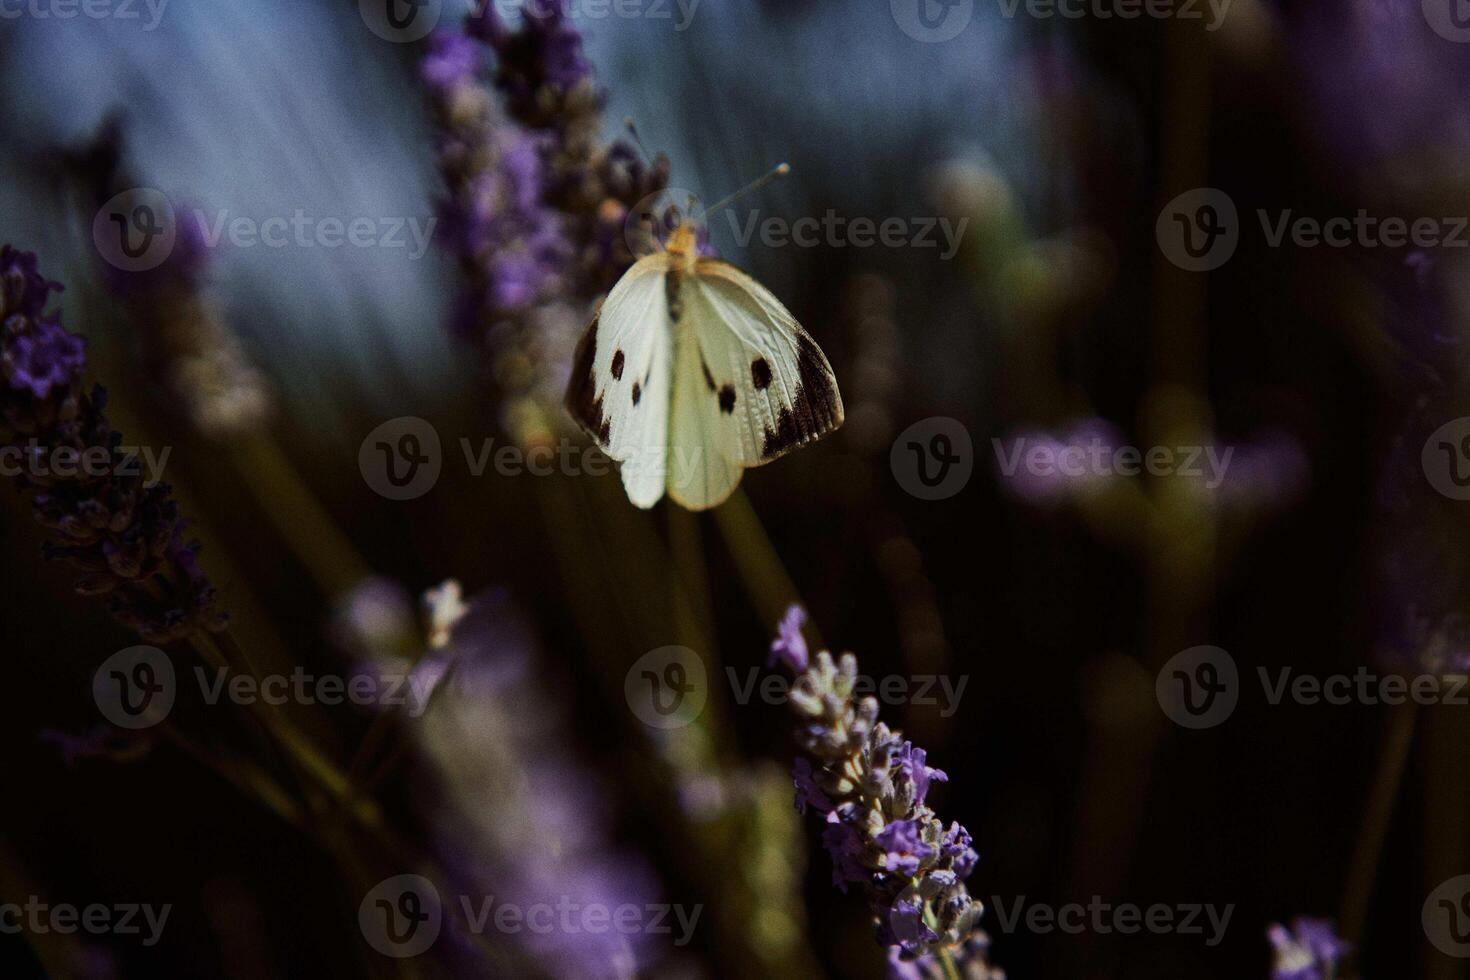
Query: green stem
(244, 776)
(299, 516)
(943, 953)
(1376, 818)
(320, 770)
(946, 960)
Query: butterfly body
(692, 372)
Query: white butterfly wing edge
(740, 382)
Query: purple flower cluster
(870, 785)
(125, 535)
(512, 244)
(537, 201)
(549, 89)
(1309, 951)
(182, 336)
(509, 808)
(540, 67)
(102, 741)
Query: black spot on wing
(760, 373)
(637, 392)
(582, 399)
(816, 408)
(617, 364)
(727, 399)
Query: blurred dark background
(1060, 140)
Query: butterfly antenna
(780, 170)
(638, 141)
(646, 221)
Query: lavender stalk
(1310, 950)
(870, 785)
(537, 203)
(126, 535)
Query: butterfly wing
(619, 388)
(749, 385)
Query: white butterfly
(691, 372)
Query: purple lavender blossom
(101, 741)
(510, 811)
(537, 66)
(902, 847)
(1309, 951)
(453, 61)
(183, 339)
(789, 647)
(911, 767)
(45, 357)
(538, 203)
(871, 785)
(125, 535)
(808, 793)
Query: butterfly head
(683, 244)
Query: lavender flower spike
(870, 787)
(537, 200)
(1309, 951)
(124, 534)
